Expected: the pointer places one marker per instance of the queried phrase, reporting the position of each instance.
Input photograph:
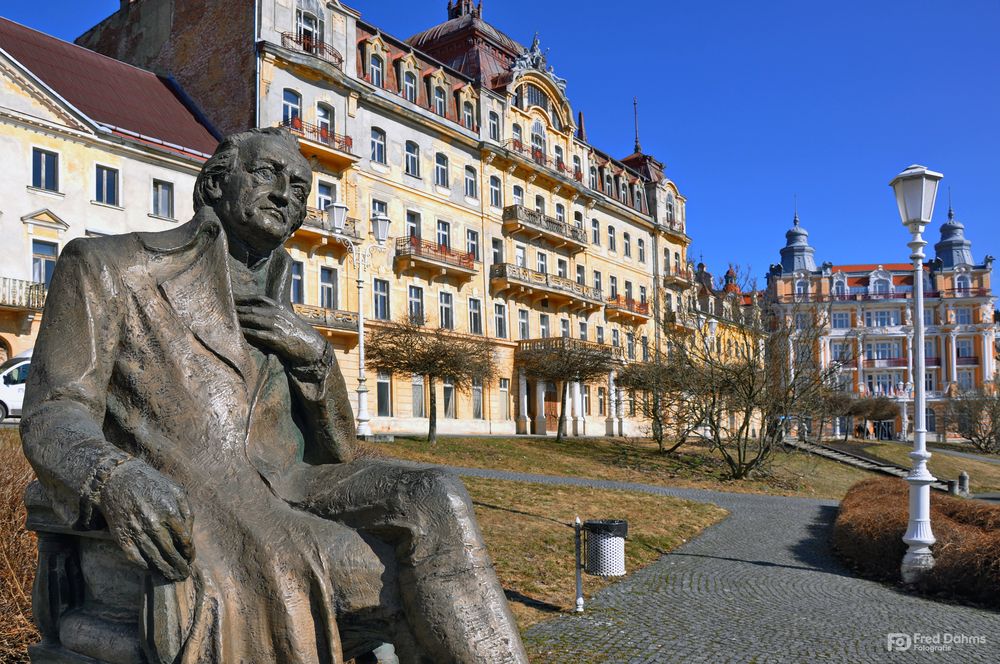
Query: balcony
(961, 292)
(534, 287)
(967, 361)
(316, 232)
(330, 149)
(22, 295)
(932, 361)
(678, 276)
(560, 343)
(435, 260)
(518, 219)
(627, 310)
(334, 322)
(886, 363)
(306, 44)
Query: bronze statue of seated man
(176, 400)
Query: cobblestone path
(761, 586)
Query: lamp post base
(915, 565)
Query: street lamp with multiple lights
(361, 256)
(916, 189)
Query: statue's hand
(149, 518)
(268, 324)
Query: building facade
(865, 316)
(79, 162)
(504, 220)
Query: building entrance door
(885, 430)
(551, 407)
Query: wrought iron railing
(885, 363)
(306, 44)
(559, 343)
(537, 220)
(414, 246)
(331, 318)
(680, 273)
(967, 361)
(318, 133)
(316, 218)
(549, 282)
(629, 304)
(20, 293)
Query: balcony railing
(967, 361)
(875, 297)
(678, 274)
(560, 343)
(932, 361)
(316, 218)
(414, 246)
(539, 221)
(629, 304)
(549, 282)
(334, 319)
(537, 155)
(886, 363)
(318, 133)
(22, 294)
(312, 46)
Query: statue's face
(264, 197)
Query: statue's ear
(211, 187)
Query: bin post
(579, 567)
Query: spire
(581, 130)
(459, 8)
(953, 248)
(951, 212)
(635, 110)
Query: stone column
(837, 433)
(609, 421)
(522, 403)
(953, 357)
(621, 411)
(540, 408)
(579, 421)
(987, 357)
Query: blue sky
(752, 104)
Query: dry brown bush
(18, 553)
(869, 530)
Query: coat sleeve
(326, 410)
(66, 393)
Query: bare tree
(566, 360)
(659, 385)
(407, 348)
(976, 416)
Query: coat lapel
(200, 290)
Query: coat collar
(198, 286)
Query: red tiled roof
(108, 91)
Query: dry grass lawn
(789, 473)
(983, 477)
(17, 553)
(529, 535)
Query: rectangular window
(497, 251)
(597, 280)
(641, 244)
(417, 398)
(562, 268)
(441, 170)
(494, 127)
(163, 199)
(586, 400)
(542, 262)
(297, 289)
(615, 338)
(881, 318)
(472, 243)
(505, 398)
(326, 195)
(475, 316)
(963, 347)
(928, 316)
(601, 400)
(612, 242)
(496, 195)
(627, 245)
(581, 275)
(449, 399)
(613, 283)
(802, 321)
(107, 185)
(523, 330)
(841, 320)
(415, 304)
(44, 170)
(328, 288)
(471, 189)
(583, 330)
(543, 325)
(642, 294)
(379, 207)
(380, 293)
(43, 261)
(966, 380)
(929, 381)
(477, 400)
(630, 345)
(963, 316)
(383, 394)
(600, 334)
(443, 234)
(841, 352)
(446, 313)
(500, 319)
(564, 328)
(412, 224)
(520, 256)
(595, 232)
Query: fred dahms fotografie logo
(899, 642)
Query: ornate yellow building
(504, 220)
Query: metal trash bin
(605, 543)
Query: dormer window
(440, 101)
(963, 284)
(593, 177)
(880, 286)
(468, 115)
(377, 71)
(410, 86)
(671, 212)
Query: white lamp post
(916, 189)
(362, 259)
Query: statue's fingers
(180, 533)
(255, 320)
(157, 545)
(130, 549)
(263, 336)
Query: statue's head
(258, 184)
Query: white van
(13, 376)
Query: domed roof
(797, 254)
(462, 18)
(796, 235)
(954, 248)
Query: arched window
(537, 138)
(593, 177)
(801, 288)
(637, 197)
(291, 109)
(539, 205)
(441, 169)
(496, 192)
(309, 28)
(412, 164)
(609, 188)
(378, 146)
(671, 213)
(627, 244)
(471, 186)
(494, 126)
(840, 289)
(440, 101)
(518, 195)
(325, 120)
(880, 286)
(376, 71)
(612, 239)
(468, 115)
(963, 284)
(560, 212)
(578, 219)
(410, 86)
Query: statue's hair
(225, 157)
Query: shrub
(873, 518)
(18, 553)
